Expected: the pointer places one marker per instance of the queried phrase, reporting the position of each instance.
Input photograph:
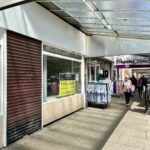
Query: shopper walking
(140, 85)
(134, 80)
(127, 89)
(144, 84)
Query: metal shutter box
(23, 86)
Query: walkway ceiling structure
(5, 4)
(116, 18)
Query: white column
(4, 92)
(44, 78)
(83, 81)
(44, 82)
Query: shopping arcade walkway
(133, 132)
(87, 129)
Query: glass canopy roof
(122, 18)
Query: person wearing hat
(127, 88)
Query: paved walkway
(133, 132)
(88, 129)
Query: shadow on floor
(140, 107)
(138, 110)
(87, 129)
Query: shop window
(55, 67)
(114, 74)
(60, 52)
(93, 72)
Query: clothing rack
(117, 88)
(97, 94)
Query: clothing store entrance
(105, 77)
(137, 69)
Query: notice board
(67, 84)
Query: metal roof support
(12, 3)
(100, 16)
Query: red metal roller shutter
(23, 86)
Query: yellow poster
(67, 87)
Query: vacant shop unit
(25, 88)
(30, 61)
(62, 78)
(33, 96)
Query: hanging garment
(114, 87)
(99, 93)
(54, 88)
(99, 98)
(90, 97)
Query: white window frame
(45, 53)
(90, 75)
(114, 70)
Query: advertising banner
(131, 61)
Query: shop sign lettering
(132, 60)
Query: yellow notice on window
(67, 87)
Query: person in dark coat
(134, 81)
(144, 81)
(140, 86)
(144, 86)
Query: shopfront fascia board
(111, 46)
(34, 21)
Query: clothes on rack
(109, 85)
(117, 87)
(52, 88)
(99, 92)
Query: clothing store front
(98, 81)
(62, 90)
(97, 68)
(131, 65)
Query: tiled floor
(87, 129)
